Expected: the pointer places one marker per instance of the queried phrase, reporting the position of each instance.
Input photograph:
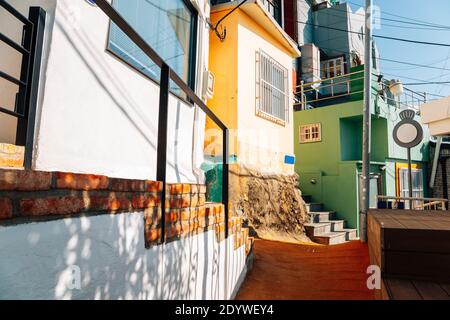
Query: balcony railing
(312, 94)
(30, 49)
(388, 202)
(168, 74)
(350, 86)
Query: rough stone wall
(270, 204)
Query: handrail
(15, 13)
(437, 203)
(166, 75)
(328, 79)
(28, 82)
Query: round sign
(408, 133)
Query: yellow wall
(258, 142)
(223, 64)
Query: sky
(432, 11)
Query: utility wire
(380, 36)
(418, 22)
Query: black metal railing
(166, 75)
(26, 98)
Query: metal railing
(327, 89)
(167, 74)
(409, 98)
(26, 98)
(414, 203)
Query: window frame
(303, 136)
(192, 68)
(328, 61)
(259, 81)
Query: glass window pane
(165, 25)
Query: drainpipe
(437, 152)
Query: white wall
(262, 143)
(37, 260)
(96, 114)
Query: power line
(423, 83)
(380, 36)
(417, 21)
(422, 26)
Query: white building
(97, 114)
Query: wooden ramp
(307, 271)
(412, 249)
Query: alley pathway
(293, 271)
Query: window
(169, 27)
(273, 94)
(417, 184)
(311, 133)
(332, 68)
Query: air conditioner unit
(208, 85)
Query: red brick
(184, 214)
(6, 208)
(127, 185)
(109, 203)
(143, 201)
(52, 206)
(152, 217)
(25, 180)
(178, 188)
(152, 236)
(81, 181)
(153, 186)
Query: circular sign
(408, 133)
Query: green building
(328, 147)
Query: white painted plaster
(38, 259)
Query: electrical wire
(380, 36)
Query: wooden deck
(412, 249)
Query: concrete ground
(307, 271)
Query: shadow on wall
(104, 257)
(117, 92)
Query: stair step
(352, 234)
(317, 229)
(307, 198)
(322, 216)
(331, 238)
(312, 207)
(337, 225)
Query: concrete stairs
(324, 228)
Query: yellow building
(251, 58)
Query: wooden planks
(405, 289)
(413, 250)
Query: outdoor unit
(310, 71)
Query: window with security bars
(310, 133)
(272, 89)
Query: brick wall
(442, 183)
(33, 196)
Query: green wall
(334, 162)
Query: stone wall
(270, 204)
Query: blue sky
(432, 11)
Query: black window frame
(192, 68)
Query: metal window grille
(272, 89)
(310, 133)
